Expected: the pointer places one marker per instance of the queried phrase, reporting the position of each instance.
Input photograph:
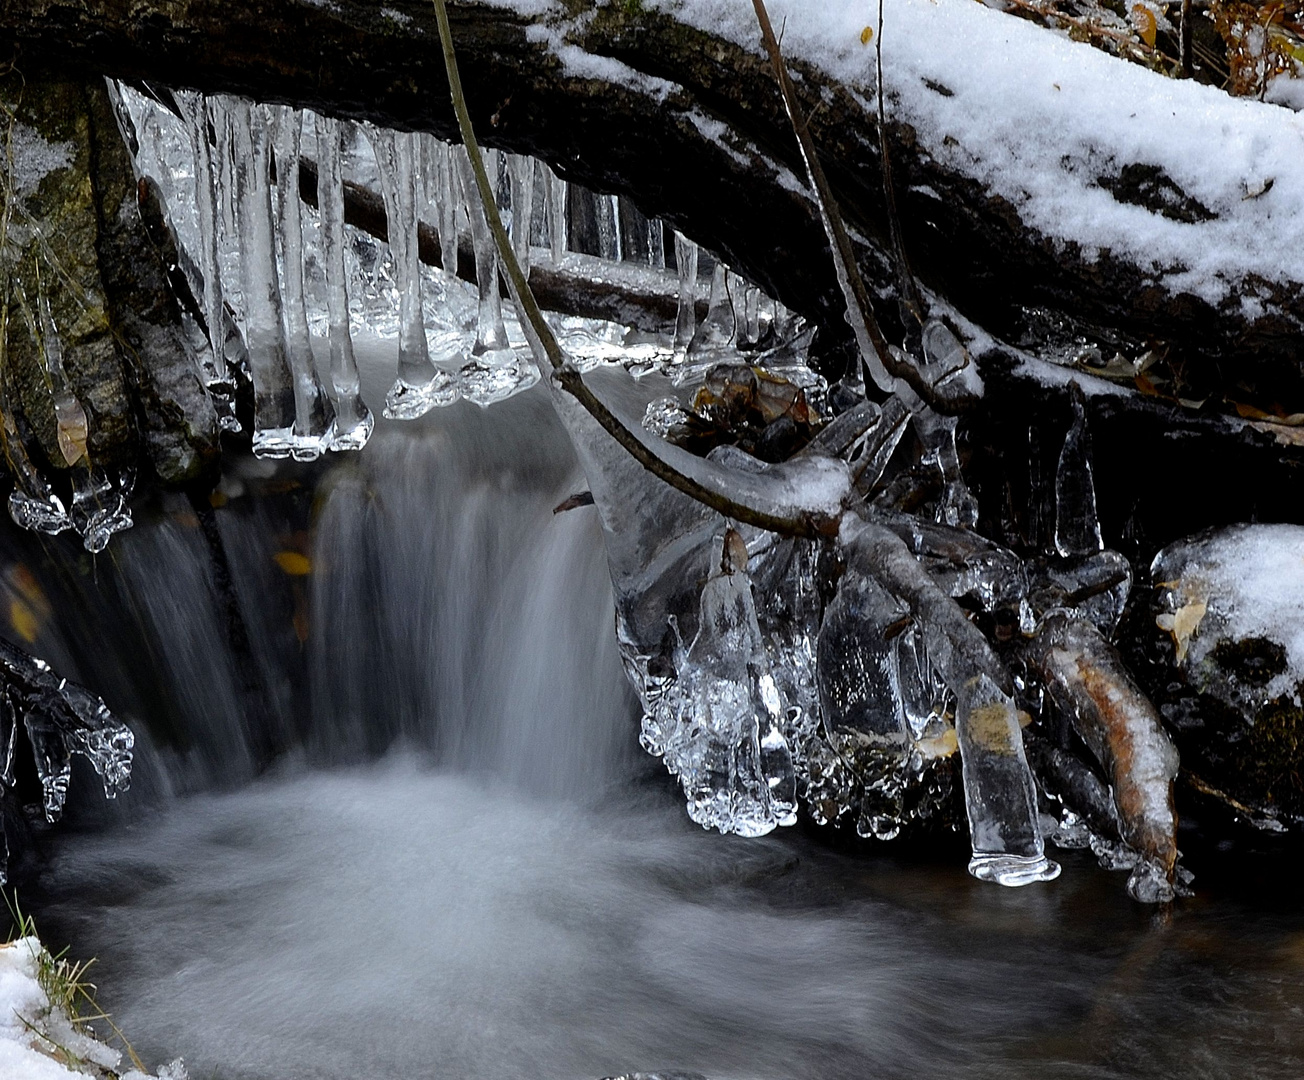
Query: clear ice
(274, 390)
(221, 389)
(719, 725)
(314, 415)
(353, 420)
(686, 317)
(493, 371)
(60, 718)
(419, 385)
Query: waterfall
(420, 594)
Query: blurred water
(406, 831)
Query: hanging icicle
(274, 397)
(419, 386)
(221, 389)
(494, 371)
(314, 415)
(353, 420)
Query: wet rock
(178, 421)
(50, 251)
(76, 241)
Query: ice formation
(60, 719)
(493, 371)
(419, 385)
(353, 420)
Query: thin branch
(905, 278)
(860, 313)
(882, 365)
(544, 342)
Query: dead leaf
(867, 35)
(1183, 624)
(293, 563)
(71, 427)
(1143, 21)
(23, 620)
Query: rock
(51, 252)
(1229, 617)
(76, 239)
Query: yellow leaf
(23, 620)
(293, 563)
(1143, 19)
(867, 35)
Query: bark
(357, 59)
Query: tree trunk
(692, 129)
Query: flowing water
(458, 864)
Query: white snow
(30, 1030)
(1037, 118)
(1251, 577)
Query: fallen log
(686, 121)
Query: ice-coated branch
(548, 351)
(860, 313)
(1087, 680)
(1000, 796)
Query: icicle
(686, 318)
(53, 764)
(274, 397)
(607, 216)
(221, 110)
(313, 413)
(656, 244)
(718, 724)
(1077, 529)
(521, 171)
(32, 504)
(420, 386)
(494, 371)
(99, 506)
(61, 719)
(353, 420)
(557, 226)
(999, 796)
(194, 107)
(860, 697)
(956, 506)
(717, 329)
(450, 200)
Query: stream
(459, 864)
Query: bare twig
(905, 279)
(860, 313)
(546, 347)
(883, 367)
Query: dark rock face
(52, 253)
(178, 422)
(77, 243)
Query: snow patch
(1026, 110)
